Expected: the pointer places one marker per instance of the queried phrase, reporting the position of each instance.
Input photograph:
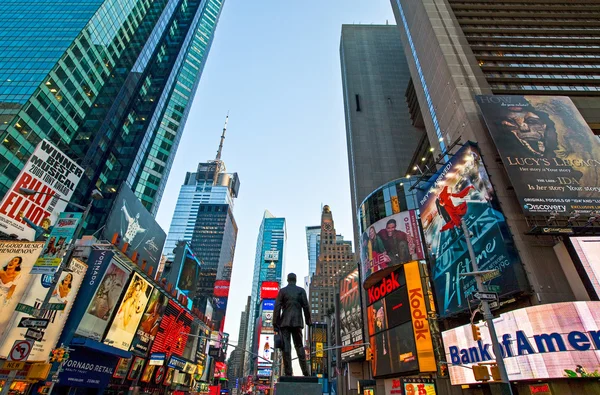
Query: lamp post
(96, 195)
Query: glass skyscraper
(204, 217)
(110, 82)
(272, 236)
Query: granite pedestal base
(291, 385)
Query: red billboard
(173, 332)
(221, 288)
(269, 290)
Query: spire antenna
(218, 161)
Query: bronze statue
(287, 320)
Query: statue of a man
(287, 320)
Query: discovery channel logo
(545, 207)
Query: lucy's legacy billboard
(550, 153)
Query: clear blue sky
(275, 66)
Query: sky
(275, 66)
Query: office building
(239, 360)
(474, 65)
(335, 259)
(109, 82)
(269, 265)
(313, 236)
(380, 135)
(204, 218)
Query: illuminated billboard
(107, 294)
(173, 331)
(547, 341)
(221, 288)
(351, 323)
(16, 260)
(269, 290)
(389, 243)
(267, 316)
(129, 313)
(187, 282)
(266, 345)
(51, 173)
(64, 294)
(461, 191)
(551, 155)
(588, 250)
(150, 322)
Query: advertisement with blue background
(462, 191)
(85, 369)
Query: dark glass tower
(109, 81)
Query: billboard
(64, 294)
(129, 314)
(388, 243)
(102, 304)
(150, 322)
(350, 313)
(47, 171)
(272, 255)
(222, 288)
(87, 369)
(269, 290)
(16, 260)
(394, 351)
(588, 250)
(550, 153)
(137, 227)
(419, 316)
(267, 316)
(559, 340)
(265, 350)
(187, 281)
(173, 331)
(461, 191)
(61, 235)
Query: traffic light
(495, 371)
(481, 373)
(476, 332)
(369, 354)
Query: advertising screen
(351, 324)
(419, 316)
(48, 171)
(540, 342)
(394, 351)
(173, 331)
(221, 288)
(187, 282)
(267, 316)
(418, 386)
(265, 350)
(461, 191)
(137, 227)
(150, 322)
(64, 294)
(588, 250)
(57, 243)
(16, 260)
(269, 290)
(550, 153)
(105, 300)
(388, 243)
(129, 313)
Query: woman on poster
(9, 276)
(64, 288)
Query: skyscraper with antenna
(204, 218)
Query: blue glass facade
(110, 82)
(271, 237)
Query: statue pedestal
(292, 385)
